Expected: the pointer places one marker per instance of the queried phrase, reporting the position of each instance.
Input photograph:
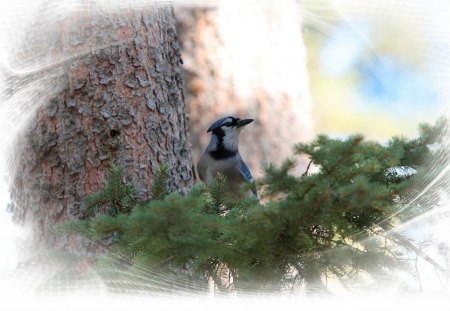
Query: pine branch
(159, 184)
(69, 227)
(326, 222)
(112, 199)
(218, 192)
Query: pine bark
(119, 101)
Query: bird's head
(225, 133)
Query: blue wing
(247, 175)
(243, 168)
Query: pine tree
(337, 221)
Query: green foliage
(428, 156)
(68, 227)
(159, 184)
(217, 191)
(333, 222)
(113, 199)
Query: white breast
(208, 168)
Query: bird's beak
(243, 122)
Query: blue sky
(386, 80)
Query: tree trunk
(247, 59)
(119, 100)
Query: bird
(222, 156)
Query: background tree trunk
(119, 100)
(248, 59)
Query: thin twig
(400, 240)
(307, 169)
(298, 275)
(418, 273)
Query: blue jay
(222, 155)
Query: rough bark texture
(121, 102)
(247, 59)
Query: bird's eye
(228, 124)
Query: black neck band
(221, 152)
